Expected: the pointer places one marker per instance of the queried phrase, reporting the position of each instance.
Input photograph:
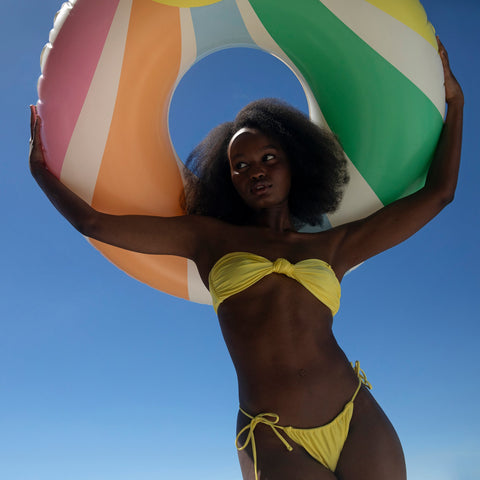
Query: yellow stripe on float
(412, 14)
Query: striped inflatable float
(370, 71)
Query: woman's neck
(277, 219)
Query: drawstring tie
(261, 418)
(361, 374)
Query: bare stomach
(287, 360)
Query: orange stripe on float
(139, 173)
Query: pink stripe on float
(68, 73)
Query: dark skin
(278, 334)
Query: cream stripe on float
(189, 54)
(359, 193)
(189, 43)
(392, 39)
(196, 290)
(85, 150)
(411, 13)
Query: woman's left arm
(398, 221)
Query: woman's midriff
(287, 360)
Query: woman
(275, 290)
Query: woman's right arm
(141, 233)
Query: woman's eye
(240, 165)
(268, 156)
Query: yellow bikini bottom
(323, 443)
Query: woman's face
(260, 169)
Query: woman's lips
(260, 187)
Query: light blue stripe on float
(219, 26)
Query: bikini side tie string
(261, 418)
(361, 374)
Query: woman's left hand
(453, 90)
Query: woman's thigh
(372, 450)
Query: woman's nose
(257, 173)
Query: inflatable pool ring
(370, 70)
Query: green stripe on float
(387, 126)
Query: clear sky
(103, 378)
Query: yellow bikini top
(237, 271)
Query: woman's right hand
(37, 151)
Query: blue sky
(104, 378)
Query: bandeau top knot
(283, 266)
